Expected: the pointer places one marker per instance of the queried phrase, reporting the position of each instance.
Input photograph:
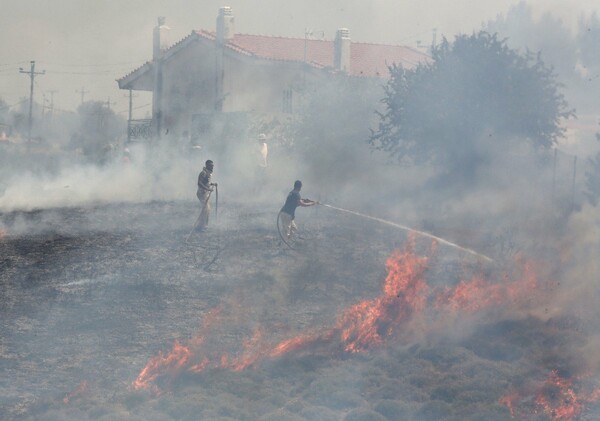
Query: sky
(85, 45)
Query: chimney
(160, 39)
(225, 23)
(341, 57)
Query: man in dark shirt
(287, 213)
(205, 188)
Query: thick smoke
(123, 224)
(579, 249)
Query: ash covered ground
(91, 295)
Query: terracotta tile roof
(374, 59)
(134, 73)
(365, 59)
(287, 49)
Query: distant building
(223, 75)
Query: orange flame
(364, 326)
(510, 400)
(80, 390)
(557, 397)
(180, 358)
(173, 362)
(478, 294)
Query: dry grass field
(109, 314)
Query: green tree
(98, 131)
(474, 99)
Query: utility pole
(32, 73)
(52, 105)
(108, 103)
(43, 106)
(83, 92)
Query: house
(219, 76)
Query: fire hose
(216, 201)
(393, 224)
(280, 234)
(403, 227)
(200, 216)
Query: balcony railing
(139, 130)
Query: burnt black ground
(91, 294)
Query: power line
(52, 105)
(95, 65)
(13, 64)
(32, 74)
(64, 111)
(82, 92)
(102, 72)
(134, 108)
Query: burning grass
(422, 340)
(371, 324)
(367, 325)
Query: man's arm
(308, 202)
(203, 182)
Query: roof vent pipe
(225, 21)
(341, 47)
(160, 39)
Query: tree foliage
(98, 130)
(473, 91)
